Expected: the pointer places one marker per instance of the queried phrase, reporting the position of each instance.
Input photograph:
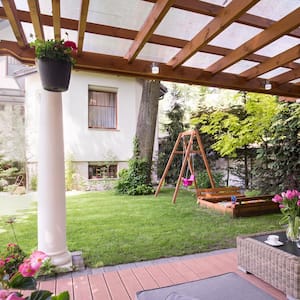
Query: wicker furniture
(278, 266)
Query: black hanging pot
(55, 74)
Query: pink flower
(291, 194)
(281, 206)
(26, 269)
(14, 296)
(277, 199)
(298, 202)
(37, 258)
(3, 294)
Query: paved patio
(123, 281)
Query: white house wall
(82, 143)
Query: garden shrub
(203, 179)
(133, 181)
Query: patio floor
(123, 281)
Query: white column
(51, 182)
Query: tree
(172, 127)
(146, 124)
(280, 157)
(236, 128)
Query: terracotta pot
(55, 74)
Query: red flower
(70, 44)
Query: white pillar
(51, 182)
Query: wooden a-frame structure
(186, 140)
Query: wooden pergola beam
(56, 19)
(159, 10)
(82, 24)
(273, 63)
(226, 16)
(141, 68)
(131, 34)
(286, 77)
(11, 13)
(34, 9)
(212, 10)
(267, 36)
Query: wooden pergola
(237, 44)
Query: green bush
(134, 180)
(203, 179)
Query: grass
(111, 229)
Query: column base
(62, 261)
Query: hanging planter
(55, 61)
(55, 74)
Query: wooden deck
(123, 281)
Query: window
(102, 109)
(103, 171)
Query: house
(99, 119)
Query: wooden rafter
(82, 24)
(286, 77)
(140, 68)
(159, 10)
(56, 19)
(272, 63)
(11, 13)
(212, 10)
(34, 9)
(267, 36)
(131, 34)
(211, 30)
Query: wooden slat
(210, 9)
(159, 10)
(98, 287)
(145, 279)
(160, 277)
(56, 19)
(272, 33)
(65, 284)
(272, 63)
(286, 77)
(175, 276)
(82, 24)
(82, 288)
(34, 9)
(226, 16)
(131, 34)
(130, 282)
(11, 13)
(115, 286)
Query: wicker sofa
(271, 264)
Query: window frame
(110, 90)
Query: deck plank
(131, 283)
(144, 277)
(99, 288)
(65, 284)
(82, 288)
(123, 284)
(115, 285)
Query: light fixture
(154, 68)
(268, 85)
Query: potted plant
(54, 60)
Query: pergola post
(51, 182)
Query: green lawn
(110, 229)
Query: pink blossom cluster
(287, 196)
(31, 265)
(28, 268)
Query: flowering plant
(289, 204)
(17, 272)
(55, 49)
